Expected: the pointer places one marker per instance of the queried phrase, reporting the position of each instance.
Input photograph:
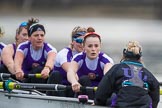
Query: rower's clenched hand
(76, 87)
(20, 75)
(45, 73)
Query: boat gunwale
(21, 94)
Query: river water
(115, 33)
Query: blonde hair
(75, 31)
(133, 47)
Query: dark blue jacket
(128, 96)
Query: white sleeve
(53, 48)
(109, 58)
(22, 50)
(61, 57)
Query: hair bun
(90, 29)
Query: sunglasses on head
(78, 40)
(23, 24)
(79, 34)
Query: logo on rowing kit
(134, 77)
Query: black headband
(129, 54)
(35, 27)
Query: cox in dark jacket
(133, 85)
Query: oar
(9, 86)
(5, 76)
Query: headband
(129, 54)
(92, 33)
(35, 27)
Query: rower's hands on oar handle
(76, 87)
(45, 72)
(19, 75)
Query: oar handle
(5, 76)
(37, 75)
(83, 88)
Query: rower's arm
(72, 76)
(50, 60)
(65, 66)
(49, 65)
(72, 72)
(7, 58)
(18, 60)
(107, 67)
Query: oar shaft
(4, 76)
(9, 85)
(48, 87)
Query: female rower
(35, 55)
(9, 51)
(63, 60)
(90, 65)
